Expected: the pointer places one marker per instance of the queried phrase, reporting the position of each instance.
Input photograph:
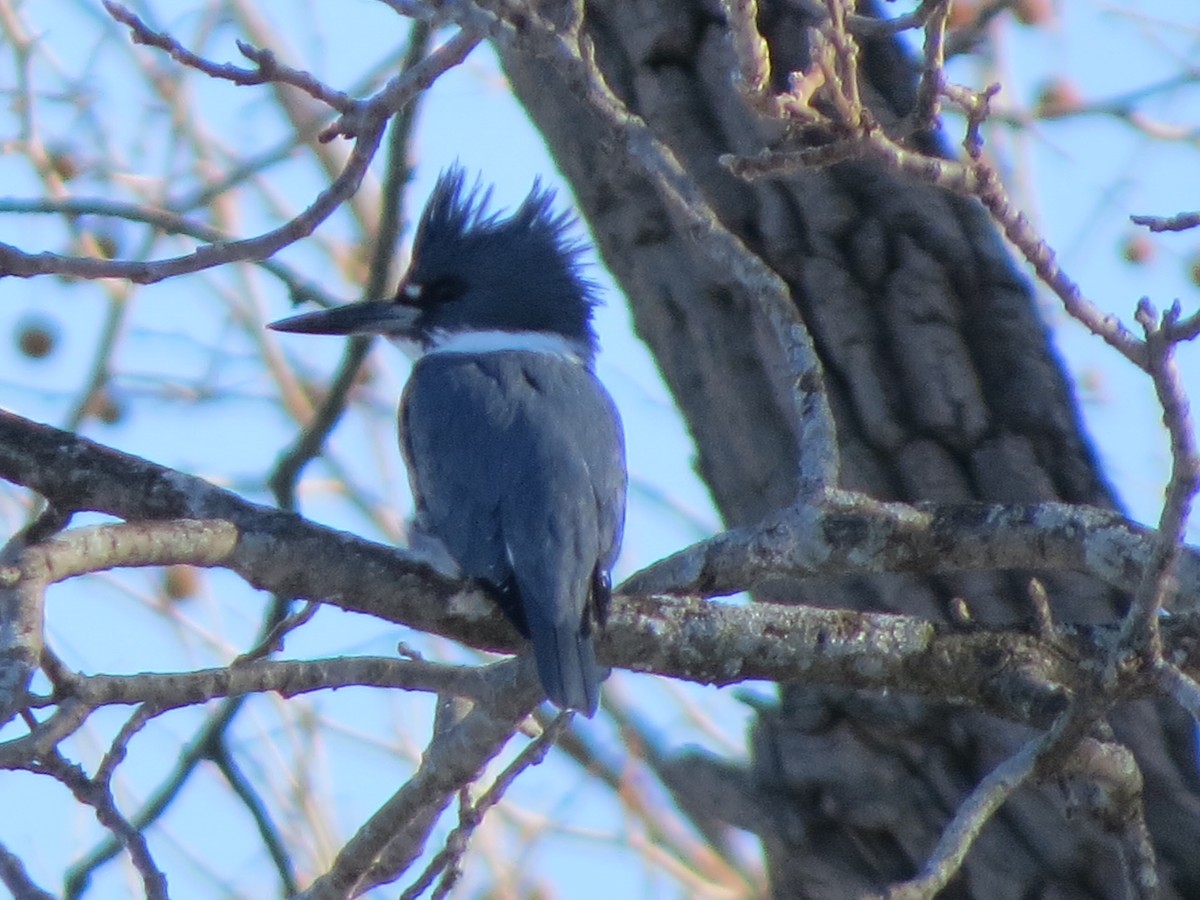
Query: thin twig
(1179, 222)
(299, 288)
(931, 88)
(978, 808)
(363, 120)
(288, 678)
(97, 795)
(117, 749)
(471, 815)
(14, 877)
(310, 441)
(858, 135)
(266, 67)
(272, 641)
(1140, 629)
(16, 262)
(396, 834)
(245, 791)
(972, 814)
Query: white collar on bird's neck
(496, 341)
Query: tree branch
(828, 96)
(395, 835)
(1017, 675)
(363, 120)
(266, 67)
(30, 570)
(14, 877)
(288, 678)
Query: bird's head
(477, 273)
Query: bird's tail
(566, 664)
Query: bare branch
(1110, 769)
(395, 835)
(168, 222)
(401, 90)
(989, 189)
(14, 877)
(970, 817)
(201, 745)
(117, 750)
(708, 642)
(267, 67)
(362, 120)
(45, 736)
(94, 549)
(857, 134)
(99, 798)
(1140, 628)
(1183, 221)
(1179, 686)
(32, 569)
(288, 678)
(1112, 794)
(931, 88)
(470, 815)
(26, 265)
(22, 632)
(849, 533)
(162, 692)
(1187, 329)
(245, 791)
(272, 641)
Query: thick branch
(849, 534)
(30, 570)
(288, 678)
(1017, 675)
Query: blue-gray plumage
(514, 448)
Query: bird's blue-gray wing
(453, 425)
(517, 465)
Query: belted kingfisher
(514, 449)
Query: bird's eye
(433, 293)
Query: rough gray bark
(944, 387)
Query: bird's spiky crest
(458, 221)
(454, 210)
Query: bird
(515, 450)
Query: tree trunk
(944, 386)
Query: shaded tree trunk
(944, 386)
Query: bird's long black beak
(384, 317)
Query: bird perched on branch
(514, 449)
